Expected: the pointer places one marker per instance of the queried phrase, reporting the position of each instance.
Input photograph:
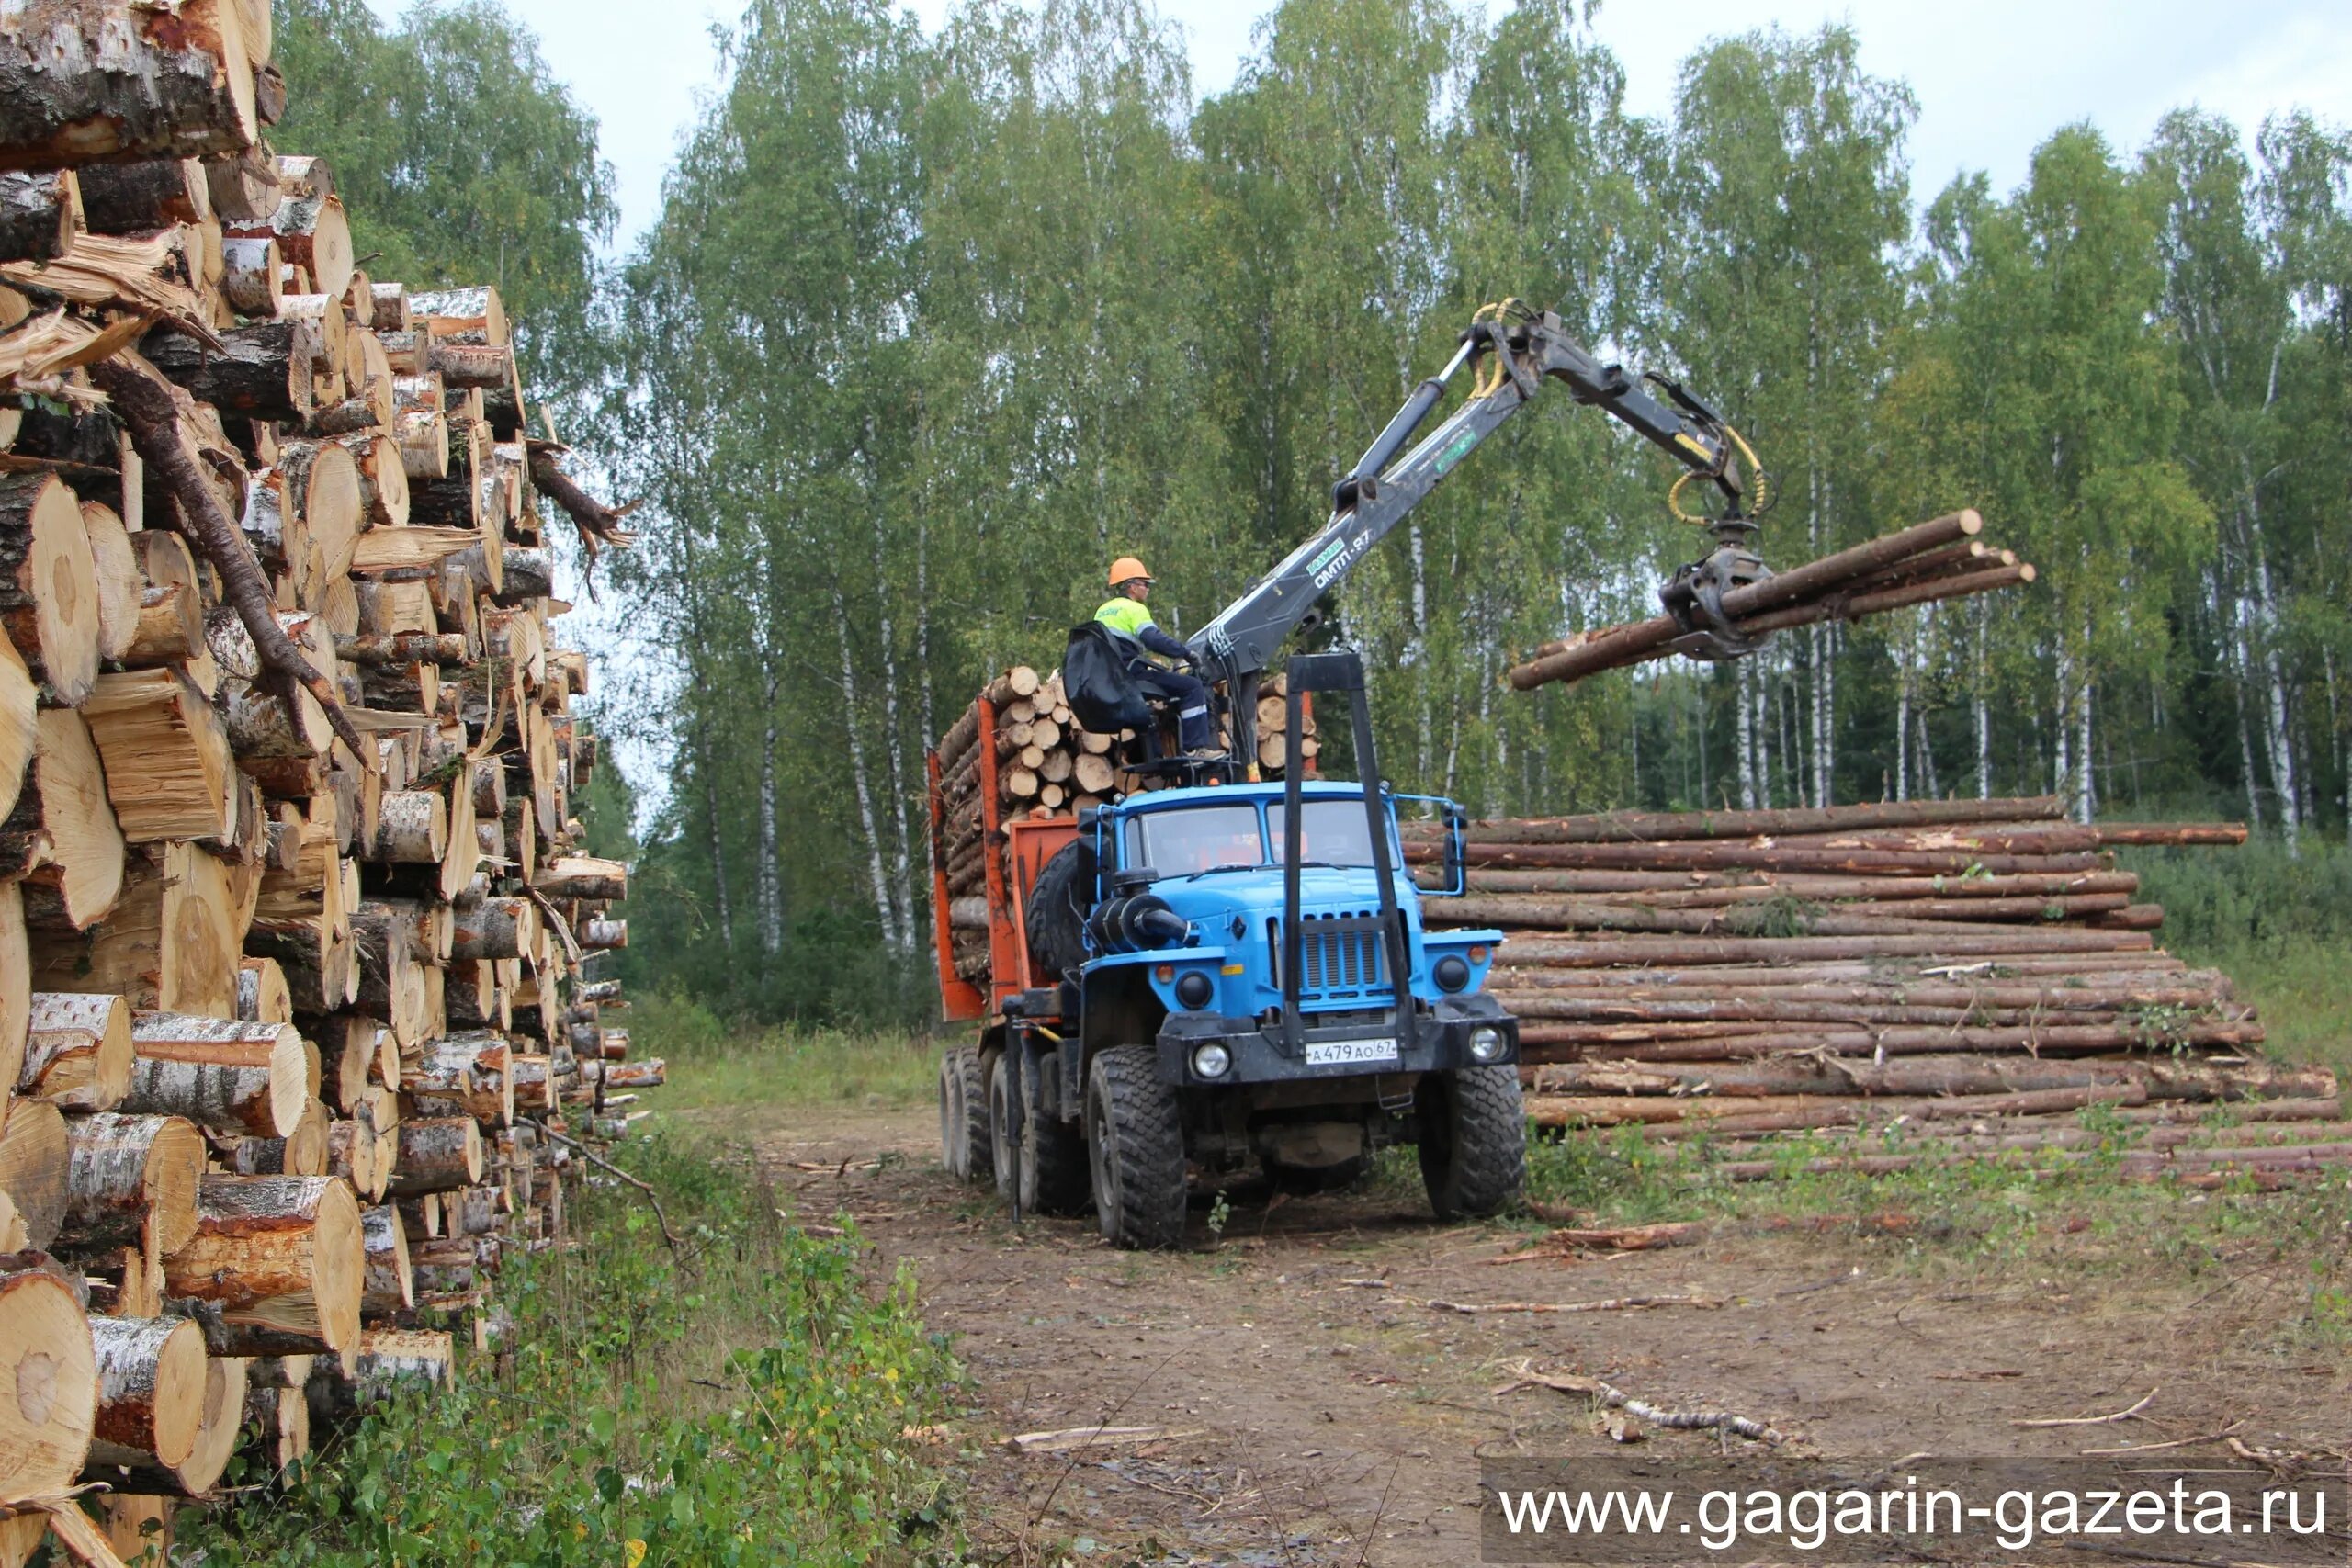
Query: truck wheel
(1053, 1162)
(1003, 1153)
(1472, 1141)
(954, 1148)
(1055, 917)
(965, 1147)
(1135, 1141)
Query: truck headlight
(1451, 973)
(1194, 989)
(1212, 1061)
(1486, 1043)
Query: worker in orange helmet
(1138, 638)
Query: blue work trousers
(1190, 698)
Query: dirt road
(1320, 1412)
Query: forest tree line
(933, 325)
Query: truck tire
(954, 1148)
(1053, 1159)
(965, 1145)
(1055, 917)
(1004, 1163)
(1472, 1141)
(1135, 1142)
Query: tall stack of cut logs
(290, 912)
(1978, 969)
(1046, 766)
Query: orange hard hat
(1126, 568)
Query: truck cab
(1215, 995)
(1225, 974)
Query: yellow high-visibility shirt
(1125, 616)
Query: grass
(2013, 1216)
(750, 1397)
(724, 1075)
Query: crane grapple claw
(1694, 597)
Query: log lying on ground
(389, 1284)
(48, 587)
(33, 1163)
(19, 723)
(47, 1359)
(37, 213)
(222, 1404)
(280, 1257)
(114, 79)
(1545, 949)
(437, 1155)
(130, 1177)
(77, 1051)
(1661, 826)
(390, 1362)
(224, 1073)
(62, 835)
(1702, 1086)
(151, 1399)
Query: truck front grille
(1341, 962)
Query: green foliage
(936, 324)
(1992, 1216)
(720, 1069)
(753, 1399)
(2277, 924)
(459, 159)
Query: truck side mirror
(1457, 851)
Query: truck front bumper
(1258, 1053)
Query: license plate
(1332, 1053)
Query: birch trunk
(1744, 685)
(853, 733)
(769, 879)
(901, 872)
(2246, 723)
(2276, 720)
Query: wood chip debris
(1613, 1398)
(1071, 1439)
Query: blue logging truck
(1227, 971)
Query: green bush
(2256, 895)
(2277, 925)
(751, 1398)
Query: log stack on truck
(293, 905)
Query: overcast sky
(1992, 79)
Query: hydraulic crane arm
(1517, 350)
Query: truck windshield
(1199, 838)
(1330, 832)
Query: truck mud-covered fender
(1056, 914)
(1117, 1002)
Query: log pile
(1015, 754)
(1941, 967)
(292, 902)
(1937, 560)
(1041, 765)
